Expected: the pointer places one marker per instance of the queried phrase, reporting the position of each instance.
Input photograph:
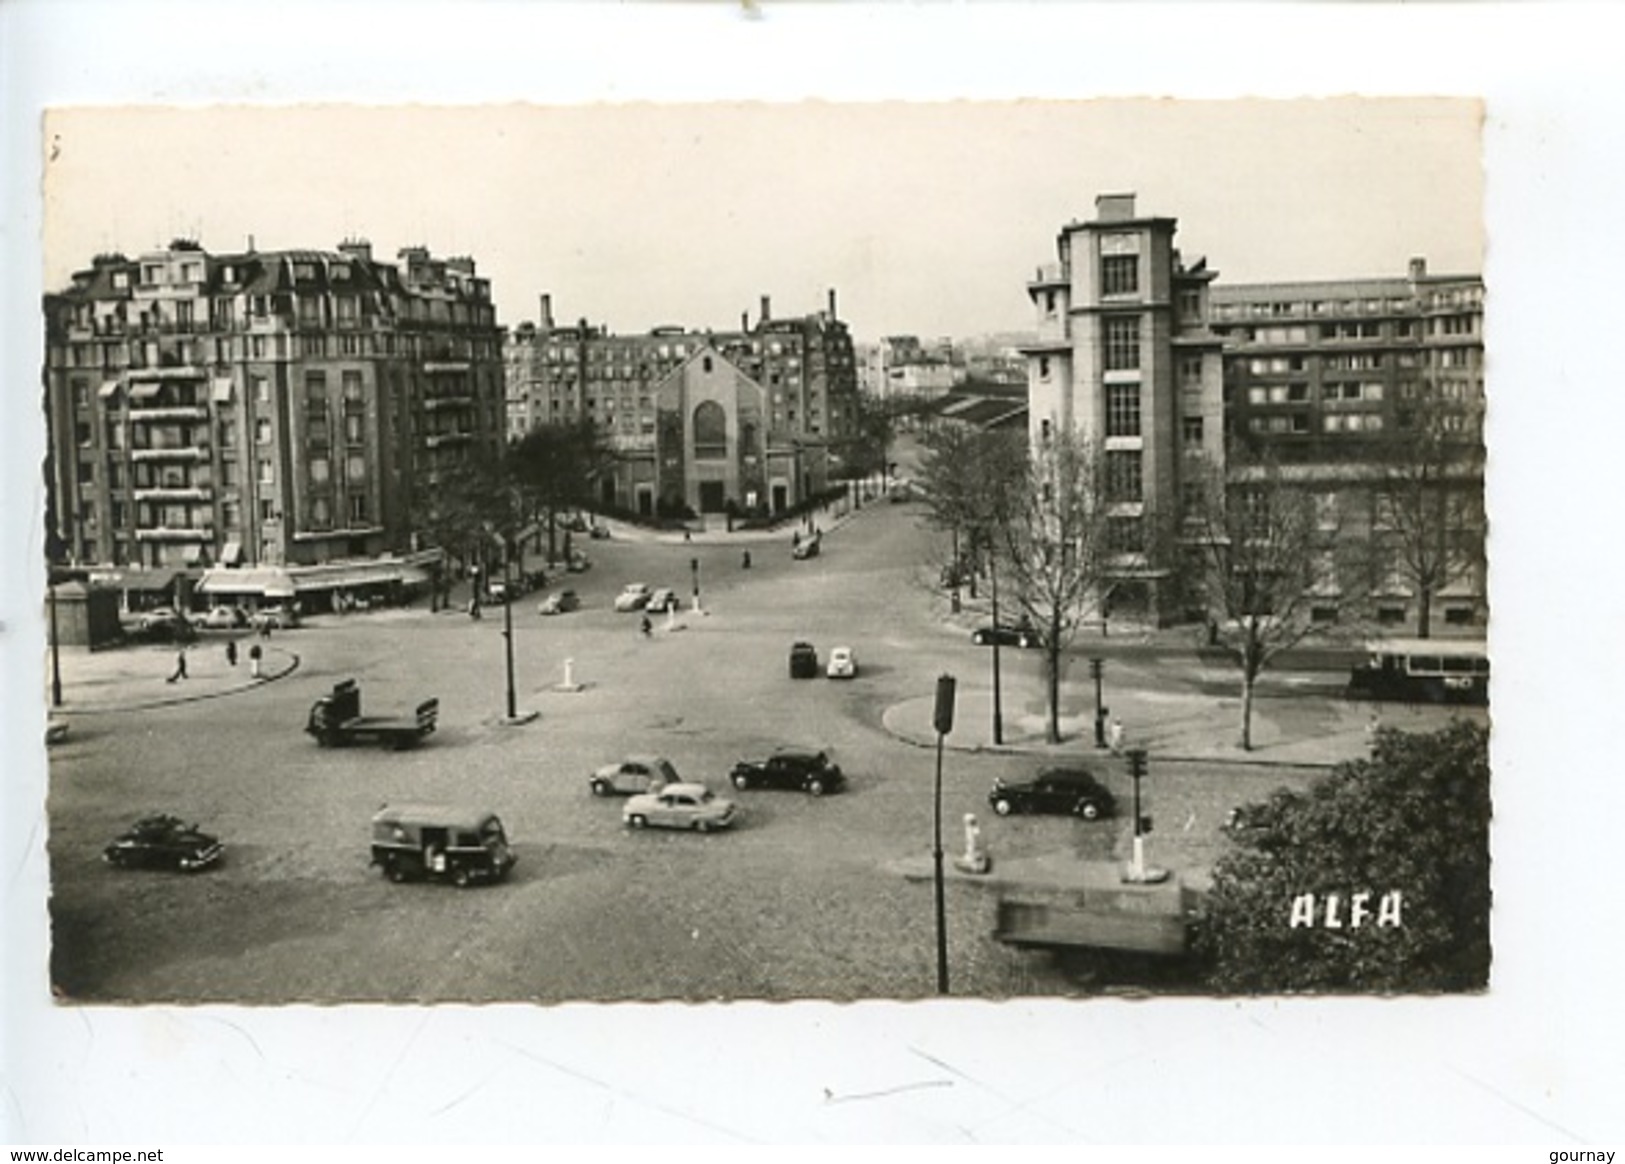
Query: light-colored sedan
(633, 775)
(843, 664)
(633, 596)
(680, 806)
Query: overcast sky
(925, 218)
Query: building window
(265, 471)
(1123, 478)
(321, 513)
(319, 470)
(1119, 274)
(710, 431)
(1043, 367)
(1123, 410)
(262, 386)
(352, 429)
(1123, 535)
(355, 468)
(358, 509)
(1122, 343)
(1191, 428)
(262, 432)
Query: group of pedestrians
(256, 658)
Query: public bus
(1424, 671)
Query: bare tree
(1430, 488)
(966, 477)
(553, 466)
(1260, 563)
(1052, 545)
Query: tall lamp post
(507, 622)
(943, 721)
(998, 698)
(56, 664)
(694, 572)
(1096, 668)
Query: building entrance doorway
(780, 498)
(713, 496)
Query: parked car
(806, 548)
(56, 730)
(575, 523)
(803, 661)
(598, 532)
(1053, 790)
(277, 616)
(663, 599)
(808, 770)
(561, 602)
(578, 562)
(161, 841)
(165, 624)
(633, 596)
(633, 775)
(224, 618)
(843, 664)
(680, 806)
(1020, 634)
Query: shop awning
(108, 388)
(232, 554)
(220, 390)
(265, 581)
(145, 390)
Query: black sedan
(803, 661)
(1070, 791)
(799, 769)
(1020, 634)
(164, 842)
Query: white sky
(925, 217)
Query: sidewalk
(838, 514)
(1169, 726)
(131, 678)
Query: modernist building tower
(1165, 368)
(270, 408)
(1125, 357)
(754, 418)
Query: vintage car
(1070, 791)
(680, 806)
(634, 596)
(843, 664)
(161, 841)
(633, 775)
(663, 599)
(808, 770)
(1019, 634)
(803, 661)
(440, 843)
(560, 602)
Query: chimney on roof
(1419, 268)
(767, 309)
(744, 321)
(356, 248)
(832, 316)
(1114, 207)
(546, 313)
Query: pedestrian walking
(1116, 736)
(647, 626)
(687, 535)
(254, 656)
(231, 652)
(180, 665)
(265, 626)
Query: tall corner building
(1124, 356)
(1165, 367)
(262, 408)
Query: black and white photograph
(564, 562)
(749, 574)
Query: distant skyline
(923, 218)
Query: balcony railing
(169, 412)
(173, 493)
(180, 453)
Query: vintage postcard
(534, 554)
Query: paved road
(803, 900)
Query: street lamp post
(694, 572)
(1096, 668)
(507, 626)
(56, 663)
(943, 721)
(998, 699)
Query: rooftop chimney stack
(546, 313)
(1114, 207)
(1419, 268)
(767, 308)
(832, 316)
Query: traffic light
(1095, 666)
(1145, 824)
(1136, 763)
(943, 718)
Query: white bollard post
(569, 672)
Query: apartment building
(262, 408)
(1331, 377)
(701, 420)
